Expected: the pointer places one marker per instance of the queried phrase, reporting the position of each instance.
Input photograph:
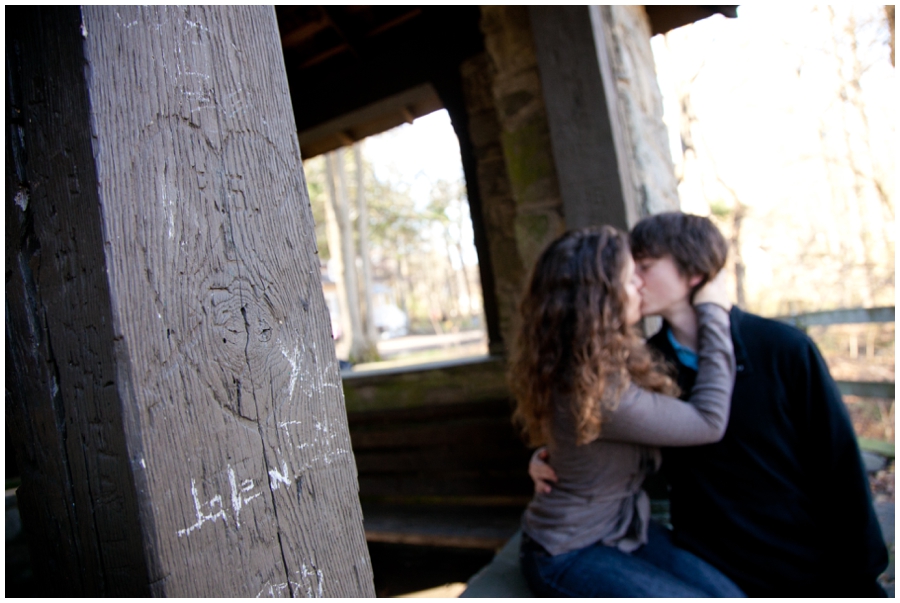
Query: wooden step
(479, 527)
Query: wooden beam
(664, 18)
(339, 26)
(840, 317)
(590, 147)
(370, 120)
(297, 36)
(867, 389)
(394, 22)
(477, 527)
(433, 384)
(326, 54)
(172, 384)
(400, 59)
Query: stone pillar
(565, 122)
(605, 113)
(524, 133)
(627, 34)
(521, 205)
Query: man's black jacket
(781, 505)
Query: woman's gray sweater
(598, 497)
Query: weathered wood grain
(449, 452)
(448, 487)
(441, 525)
(77, 498)
(461, 432)
(435, 384)
(590, 142)
(218, 363)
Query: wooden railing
(867, 389)
(840, 317)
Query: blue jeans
(657, 569)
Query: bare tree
(413, 252)
(362, 227)
(889, 15)
(343, 254)
(733, 213)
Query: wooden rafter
(395, 22)
(297, 36)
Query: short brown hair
(694, 242)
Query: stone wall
(497, 204)
(521, 205)
(628, 33)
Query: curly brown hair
(573, 338)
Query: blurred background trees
(783, 129)
(782, 125)
(412, 269)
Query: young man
(781, 504)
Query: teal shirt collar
(686, 356)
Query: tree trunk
(889, 15)
(739, 268)
(171, 383)
(464, 275)
(348, 246)
(336, 252)
(362, 226)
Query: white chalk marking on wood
(125, 25)
(238, 502)
(237, 499)
(21, 199)
(196, 25)
(294, 360)
(306, 578)
(310, 578)
(284, 426)
(329, 456)
(272, 590)
(167, 202)
(202, 517)
(276, 477)
(322, 441)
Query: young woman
(587, 387)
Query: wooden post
(590, 146)
(172, 386)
